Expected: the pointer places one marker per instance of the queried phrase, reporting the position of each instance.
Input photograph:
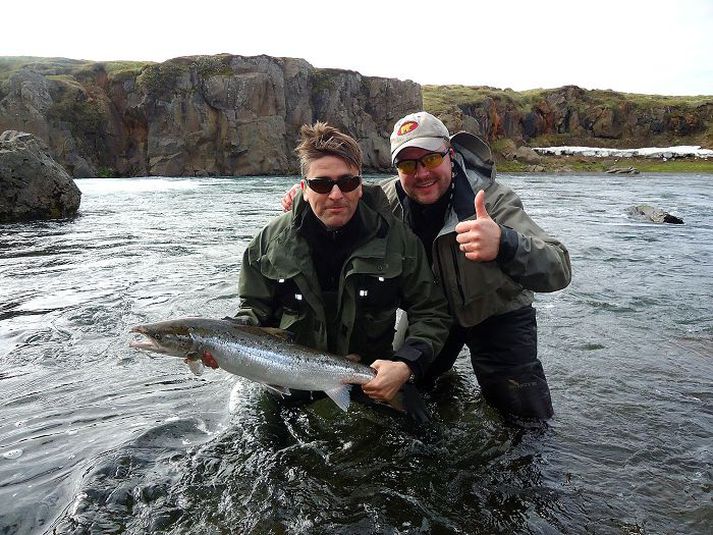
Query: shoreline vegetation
(230, 115)
(583, 164)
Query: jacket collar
(288, 254)
(474, 157)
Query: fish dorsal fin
(340, 396)
(262, 331)
(280, 333)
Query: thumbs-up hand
(479, 238)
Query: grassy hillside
(63, 66)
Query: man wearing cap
(336, 268)
(487, 253)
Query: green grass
(600, 165)
(511, 166)
(675, 166)
(65, 79)
(47, 66)
(161, 78)
(115, 68)
(106, 172)
(68, 68)
(439, 96)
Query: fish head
(173, 337)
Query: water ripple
(97, 438)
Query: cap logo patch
(407, 127)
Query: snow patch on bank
(681, 151)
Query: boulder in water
(655, 215)
(527, 155)
(32, 184)
(623, 171)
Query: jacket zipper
(456, 270)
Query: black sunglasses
(429, 161)
(324, 185)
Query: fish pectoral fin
(340, 396)
(196, 366)
(281, 391)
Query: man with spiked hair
(334, 270)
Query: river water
(98, 438)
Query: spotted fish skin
(260, 354)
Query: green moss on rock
(207, 66)
(161, 78)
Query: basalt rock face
(235, 115)
(202, 115)
(32, 184)
(573, 116)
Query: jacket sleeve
(256, 291)
(425, 304)
(527, 254)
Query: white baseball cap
(420, 129)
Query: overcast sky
(648, 46)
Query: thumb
(480, 211)
(377, 364)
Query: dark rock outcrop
(32, 184)
(655, 215)
(199, 115)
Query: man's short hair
(320, 140)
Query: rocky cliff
(235, 115)
(202, 115)
(574, 116)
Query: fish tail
(413, 404)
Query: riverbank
(578, 164)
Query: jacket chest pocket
(374, 293)
(290, 301)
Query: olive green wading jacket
(528, 261)
(279, 287)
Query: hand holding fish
(390, 377)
